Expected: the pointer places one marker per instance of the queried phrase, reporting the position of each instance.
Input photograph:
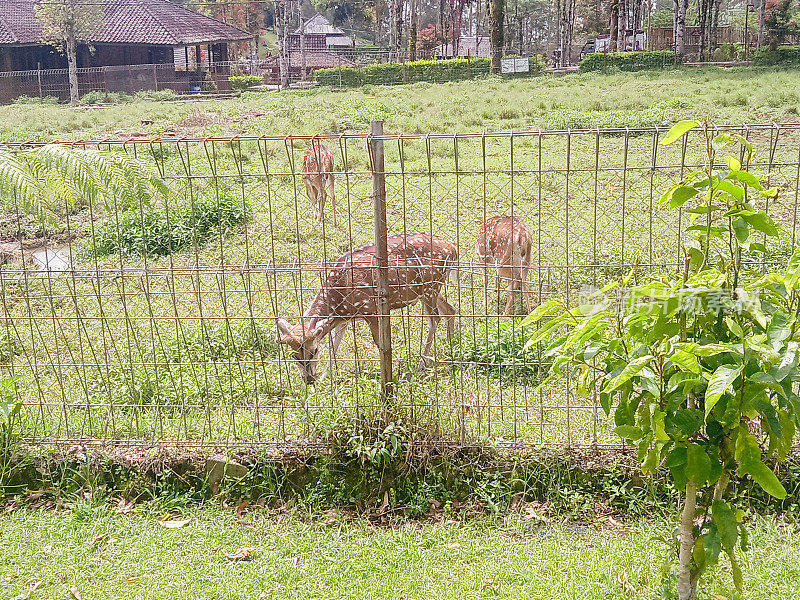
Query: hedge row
(628, 61)
(787, 56)
(452, 69)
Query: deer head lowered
(319, 179)
(505, 243)
(419, 263)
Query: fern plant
(49, 180)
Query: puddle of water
(54, 259)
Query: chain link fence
(159, 323)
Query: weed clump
(149, 231)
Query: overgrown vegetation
(429, 70)
(151, 231)
(499, 349)
(783, 56)
(240, 83)
(603, 62)
(100, 97)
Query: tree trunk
(497, 40)
(412, 31)
(622, 24)
(680, 26)
(613, 25)
(687, 582)
(71, 47)
(761, 18)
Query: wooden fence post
(382, 256)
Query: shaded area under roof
(152, 22)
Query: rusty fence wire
(158, 323)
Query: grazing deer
(418, 266)
(505, 243)
(318, 177)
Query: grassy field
(106, 555)
(633, 99)
(180, 345)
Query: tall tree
(679, 29)
(67, 23)
(496, 38)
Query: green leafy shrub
(628, 61)
(453, 69)
(728, 51)
(156, 96)
(655, 115)
(98, 97)
(35, 100)
(155, 232)
(239, 83)
(499, 350)
(785, 56)
(701, 364)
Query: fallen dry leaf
(489, 581)
(96, 538)
(296, 561)
(130, 580)
(75, 593)
(241, 554)
(453, 545)
(34, 496)
(174, 523)
(124, 507)
(331, 515)
(614, 522)
(47, 549)
(247, 524)
(264, 594)
(240, 509)
(32, 585)
(718, 597)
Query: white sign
(514, 65)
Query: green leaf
(761, 221)
(727, 525)
(698, 464)
(548, 308)
(740, 229)
(678, 130)
(680, 195)
(629, 432)
(733, 163)
(688, 421)
(686, 361)
(736, 571)
(788, 362)
(704, 350)
(676, 458)
(745, 177)
(719, 383)
(630, 370)
(750, 461)
(720, 141)
(734, 327)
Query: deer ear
(284, 329)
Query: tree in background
(496, 37)
(429, 38)
(780, 20)
(67, 23)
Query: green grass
(724, 95)
(88, 346)
(296, 558)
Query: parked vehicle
(634, 40)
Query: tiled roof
(154, 22)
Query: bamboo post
(382, 257)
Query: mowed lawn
(577, 101)
(106, 555)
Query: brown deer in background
(319, 179)
(419, 263)
(505, 243)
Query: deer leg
(527, 292)
(508, 275)
(321, 197)
(332, 192)
(431, 315)
(336, 338)
(449, 312)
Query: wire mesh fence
(161, 322)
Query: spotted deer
(505, 243)
(419, 263)
(319, 179)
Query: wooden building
(163, 44)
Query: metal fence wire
(157, 324)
